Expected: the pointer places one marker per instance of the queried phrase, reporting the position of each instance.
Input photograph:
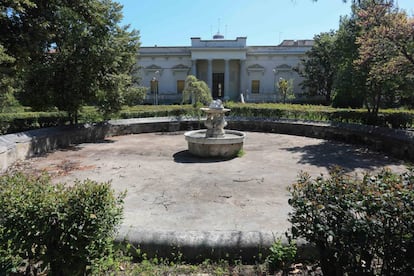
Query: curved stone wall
(19, 146)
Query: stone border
(19, 146)
(23, 145)
(395, 142)
(196, 245)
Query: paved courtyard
(170, 191)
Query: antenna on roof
(225, 30)
(218, 29)
(218, 35)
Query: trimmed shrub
(16, 122)
(158, 111)
(360, 226)
(64, 230)
(135, 95)
(386, 118)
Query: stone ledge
(19, 146)
(196, 246)
(200, 244)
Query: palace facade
(231, 69)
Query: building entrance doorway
(218, 85)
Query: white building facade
(231, 69)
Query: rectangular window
(180, 86)
(154, 86)
(255, 86)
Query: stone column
(194, 67)
(210, 74)
(242, 77)
(226, 93)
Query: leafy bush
(281, 255)
(197, 91)
(15, 122)
(158, 111)
(65, 230)
(90, 114)
(360, 226)
(386, 118)
(135, 95)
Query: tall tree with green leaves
(72, 53)
(319, 66)
(349, 82)
(10, 49)
(386, 51)
(6, 80)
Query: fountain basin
(227, 146)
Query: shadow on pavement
(186, 157)
(328, 154)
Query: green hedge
(145, 111)
(386, 118)
(63, 230)
(360, 226)
(16, 122)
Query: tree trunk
(328, 92)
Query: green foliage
(70, 53)
(65, 230)
(384, 53)
(360, 226)
(6, 81)
(90, 114)
(197, 91)
(286, 89)
(135, 95)
(349, 83)
(387, 118)
(22, 121)
(281, 255)
(241, 153)
(368, 62)
(319, 66)
(143, 111)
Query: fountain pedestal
(215, 141)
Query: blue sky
(263, 22)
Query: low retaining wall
(395, 142)
(19, 146)
(196, 246)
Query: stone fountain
(215, 141)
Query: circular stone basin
(227, 146)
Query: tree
(319, 66)
(349, 82)
(386, 51)
(197, 91)
(6, 80)
(78, 54)
(286, 89)
(8, 49)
